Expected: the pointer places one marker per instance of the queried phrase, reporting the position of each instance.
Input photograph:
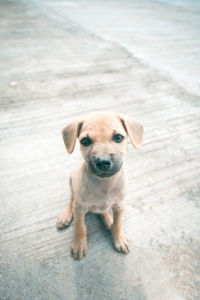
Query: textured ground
(59, 61)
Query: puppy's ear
(134, 129)
(70, 133)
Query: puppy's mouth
(104, 167)
(104, 175)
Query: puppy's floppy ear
(134, 129)
(70, 133)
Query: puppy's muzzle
(104, 166)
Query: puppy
(98, 183)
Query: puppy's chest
(100, 198)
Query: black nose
(103, 163)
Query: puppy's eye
(118, 138)
(86, 141)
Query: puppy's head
(103, 140)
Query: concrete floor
(59, 61)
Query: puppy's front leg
(121, 243)
(79, 243)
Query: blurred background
(59, 61)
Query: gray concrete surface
(61, 60)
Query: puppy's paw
(64, 220)
(108, 220)
(122, 244)
(79, 248)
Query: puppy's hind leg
(65, 218)
(107, 219)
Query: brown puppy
(98, 183)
